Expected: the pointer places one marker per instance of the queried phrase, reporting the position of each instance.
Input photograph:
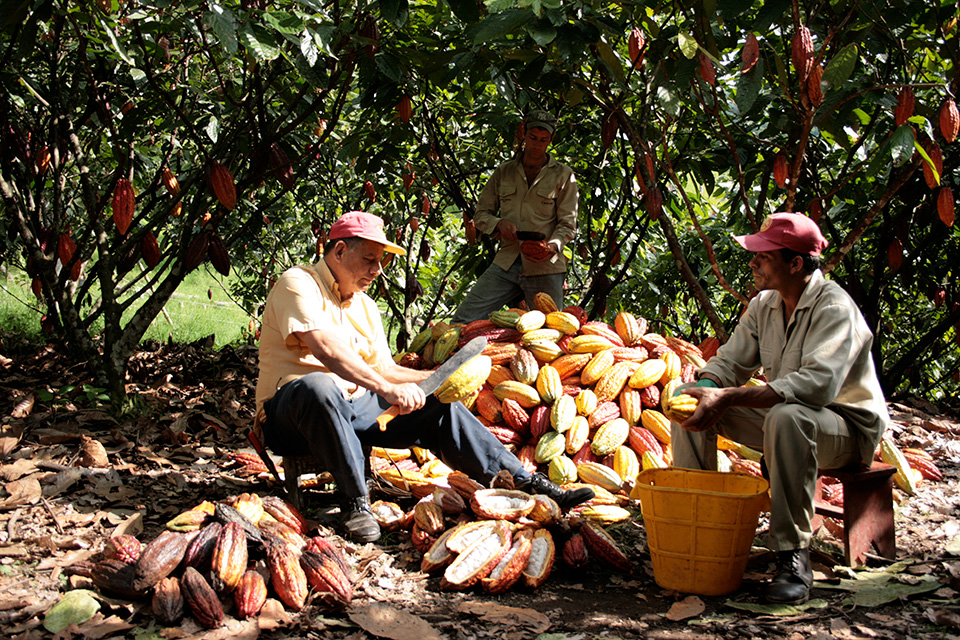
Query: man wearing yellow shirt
(326, 374)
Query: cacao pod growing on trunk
(222, 185)
(123, 203)
(219, 256)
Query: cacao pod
(608, 131)
(949, 120)
(802, 52)
(371, 192)
(815, 85)
(250, 594)
(405, 108)
(167, 601)
(42, 161)
(635, 44)
(123, 204)
(159, 559)
(945, 206)
(707, 71)
(66, 247)
(169, 181)
(933, 170)
(654, 203)
(279, 166)
(219, 256)
(150, 250)
(196, 252)
(536, 249)
(905, 104)
(781, 170)
(201, 599)
(750, 54)
(222, 184)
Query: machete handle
(387, 416)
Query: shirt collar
(325, 276)
(807, 298)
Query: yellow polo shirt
(307, 298)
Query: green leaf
(389, 66)
(670, 99)
(841, 66)
(213, 129)
(902, 144)
(771, 13)
(116, 45)
(498, 25)
(611, 60)
(322, 37)
(688, 45)
(395, 11)
(748, 88)
(781, 610)
(224, 24)
(923, 154)
(308, 48)
(259, 42)
(75, 607)
(466, 10)
(284, 22)
(542, 33)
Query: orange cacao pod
(949, 120)
(635, 45)
(802, 52)
(169, 181)
(250, 594)
(150, 250)
(780, 170)
(535, 249)
(371, 192)
(123, 202)
(222, 184)
(229, 558)
(932, 178)
(425, 205)
(42, 161)
(750, 54)
(287, 576)
(654, 203)
(905, 103)
(945, 206)
(219, 256)
(324, 575)
(405, 108)
(66, 247)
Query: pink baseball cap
(358, 224)
(793, 231)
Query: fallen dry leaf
(384, 621)
(24, 407)
(93, 453)
(273, 615)
(20, 492)
(17, 469)
(500, 614)
(689, 607)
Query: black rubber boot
(794, 576)
(358, 521)
(539, 483)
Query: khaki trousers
(796, 441)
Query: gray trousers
(310, 416)
(496, 287)
(796, 441)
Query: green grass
(201, 306)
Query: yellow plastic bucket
(700, 526)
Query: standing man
(531, 195)
(822, 407)
(326, 374)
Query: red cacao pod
(196, 252)
(123, 203)
(370, 190)
(219, 256)
(608, 129)
(425, 206)
(802, 52)
(222, 184)
(635, 44)
(781, 170)
(150, 250)
(932, 178)
(42, 160)
(707, 72)
(405, 108)
(535, 249)
(816, 210)
(895, 254)
(905, 103)
(815, 85)
(654, 201)
(66, 247)
(37, 287)
(408, 177)
(945, 206)
(949, 121)
(470, 231)
(280, 166)
(750, 53)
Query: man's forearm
(339, 358)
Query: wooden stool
(293, 468)
(867, 511)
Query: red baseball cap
(793, 231)
(358, 224)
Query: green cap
(540, 118)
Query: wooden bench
(867, 511)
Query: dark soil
(194, 409)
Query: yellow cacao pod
(466, 380)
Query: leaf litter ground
(59, 505)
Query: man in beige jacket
(822, 407)
(530, 196)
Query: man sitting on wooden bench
(326, 374)
(822, 407)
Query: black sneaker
(358, 521)
(539, 483)
(794, 576)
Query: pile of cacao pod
(226, 556)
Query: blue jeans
(496, 287)
(310, 416)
